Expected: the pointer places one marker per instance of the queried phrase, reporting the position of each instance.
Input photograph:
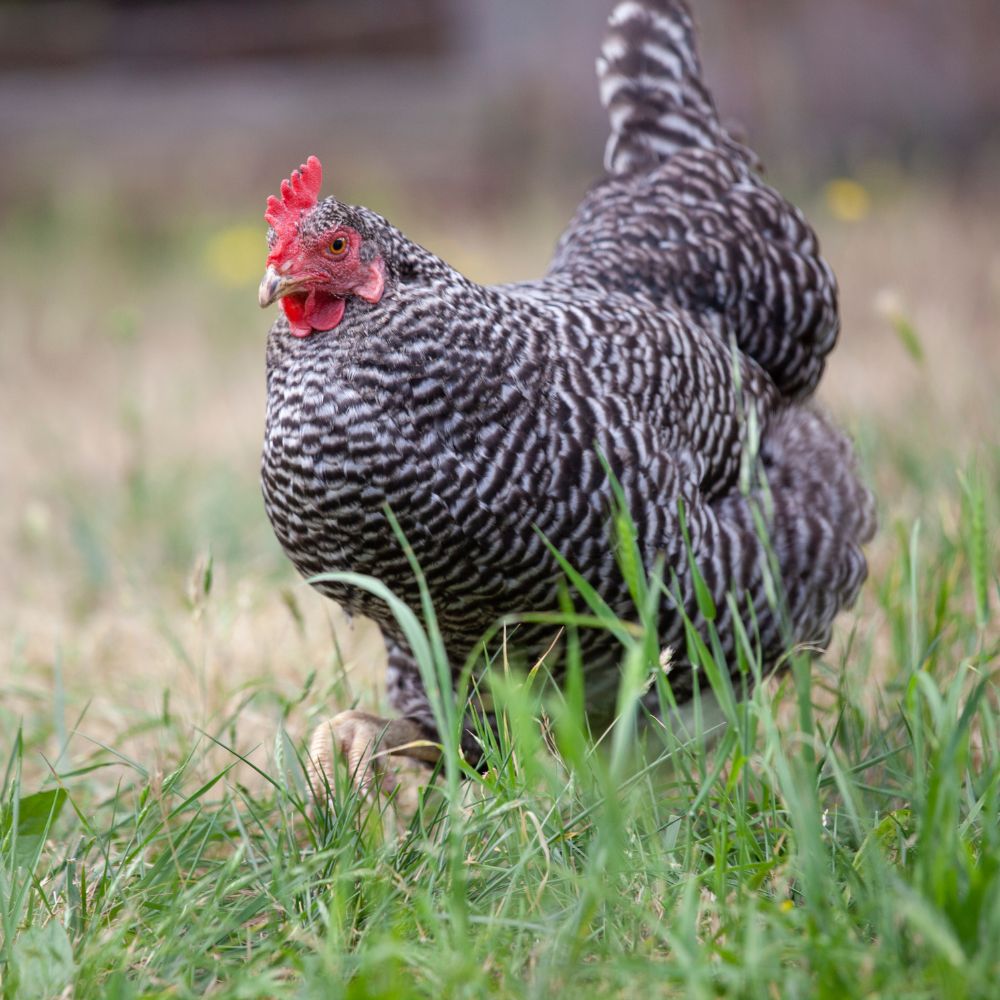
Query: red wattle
(315, 311)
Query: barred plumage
(684, 297)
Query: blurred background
(139, 577)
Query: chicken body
(683, 322)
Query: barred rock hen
(686, 302)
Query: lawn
(162, 667)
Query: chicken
(680, 329)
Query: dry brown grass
(132, 390)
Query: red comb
(298, 193)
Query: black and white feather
(684, 320)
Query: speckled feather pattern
(685, 318)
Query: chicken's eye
(338, 246)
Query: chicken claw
(364, 741)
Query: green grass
(839, 838)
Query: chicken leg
(364, 740)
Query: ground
(163, 665)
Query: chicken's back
(683, 221)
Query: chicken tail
(651, 84)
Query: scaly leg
(365, 741)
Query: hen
(683, 321)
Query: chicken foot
(365, 741)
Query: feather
(678, 333)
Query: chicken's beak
(273, 286)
